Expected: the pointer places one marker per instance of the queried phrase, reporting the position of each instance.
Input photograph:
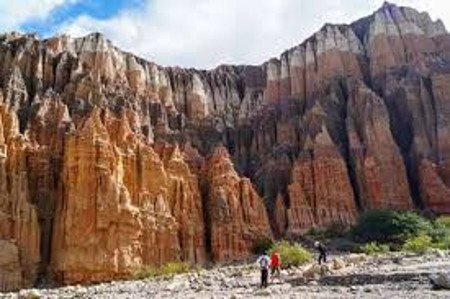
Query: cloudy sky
(196, 33)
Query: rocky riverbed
(347, 276)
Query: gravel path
(388, 276)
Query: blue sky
(196, 33)
(100, 10)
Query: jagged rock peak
(395, 20)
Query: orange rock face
(436, 192)
(321, 192)
(381, 174)
(19, 227)
(237, 215)
(123, 206)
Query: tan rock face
(237, 215)
(104, 162)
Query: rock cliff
(109, 163)
(237, 215)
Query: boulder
(338, 264)
(440, 280)
(315, 271)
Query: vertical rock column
(380, 171)
(19, 228)
(237, 214)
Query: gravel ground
(387, 276)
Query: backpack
(264, 262)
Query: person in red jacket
(275, 265)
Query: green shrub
(173, 268)
(292, 254)
(262, 244)
(418, 244)
(336, 230)
(146, 272)
(440, 233)
(316, 233)
(410, 224)
(443, 221)
(346, 245)
(374, 248)
(386, 226)
(169, 269)
(443, 243)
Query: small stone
(207, 282)
(263, 292)
(80, 290)
(338, 264)
(29, 294)
(439, 253)
(177, 286)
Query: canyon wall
(110, 163)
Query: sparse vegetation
(292, 254)
(169, 269)
(396, 230)
(418, 244)
(440, 234)
(443, 221)
(374, 248)
(336, 230)
(385, 226)
(262, 244)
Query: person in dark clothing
(264, 263)
(322, 252)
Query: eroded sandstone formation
(237, 215)
(321, 193)
(123, 206)
(381, 177)
(109, 162)
(19, 222)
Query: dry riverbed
(349, 276)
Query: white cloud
(16, 12)
(205, 33)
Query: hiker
(264, 262)
(275, 265)
(322, 252)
